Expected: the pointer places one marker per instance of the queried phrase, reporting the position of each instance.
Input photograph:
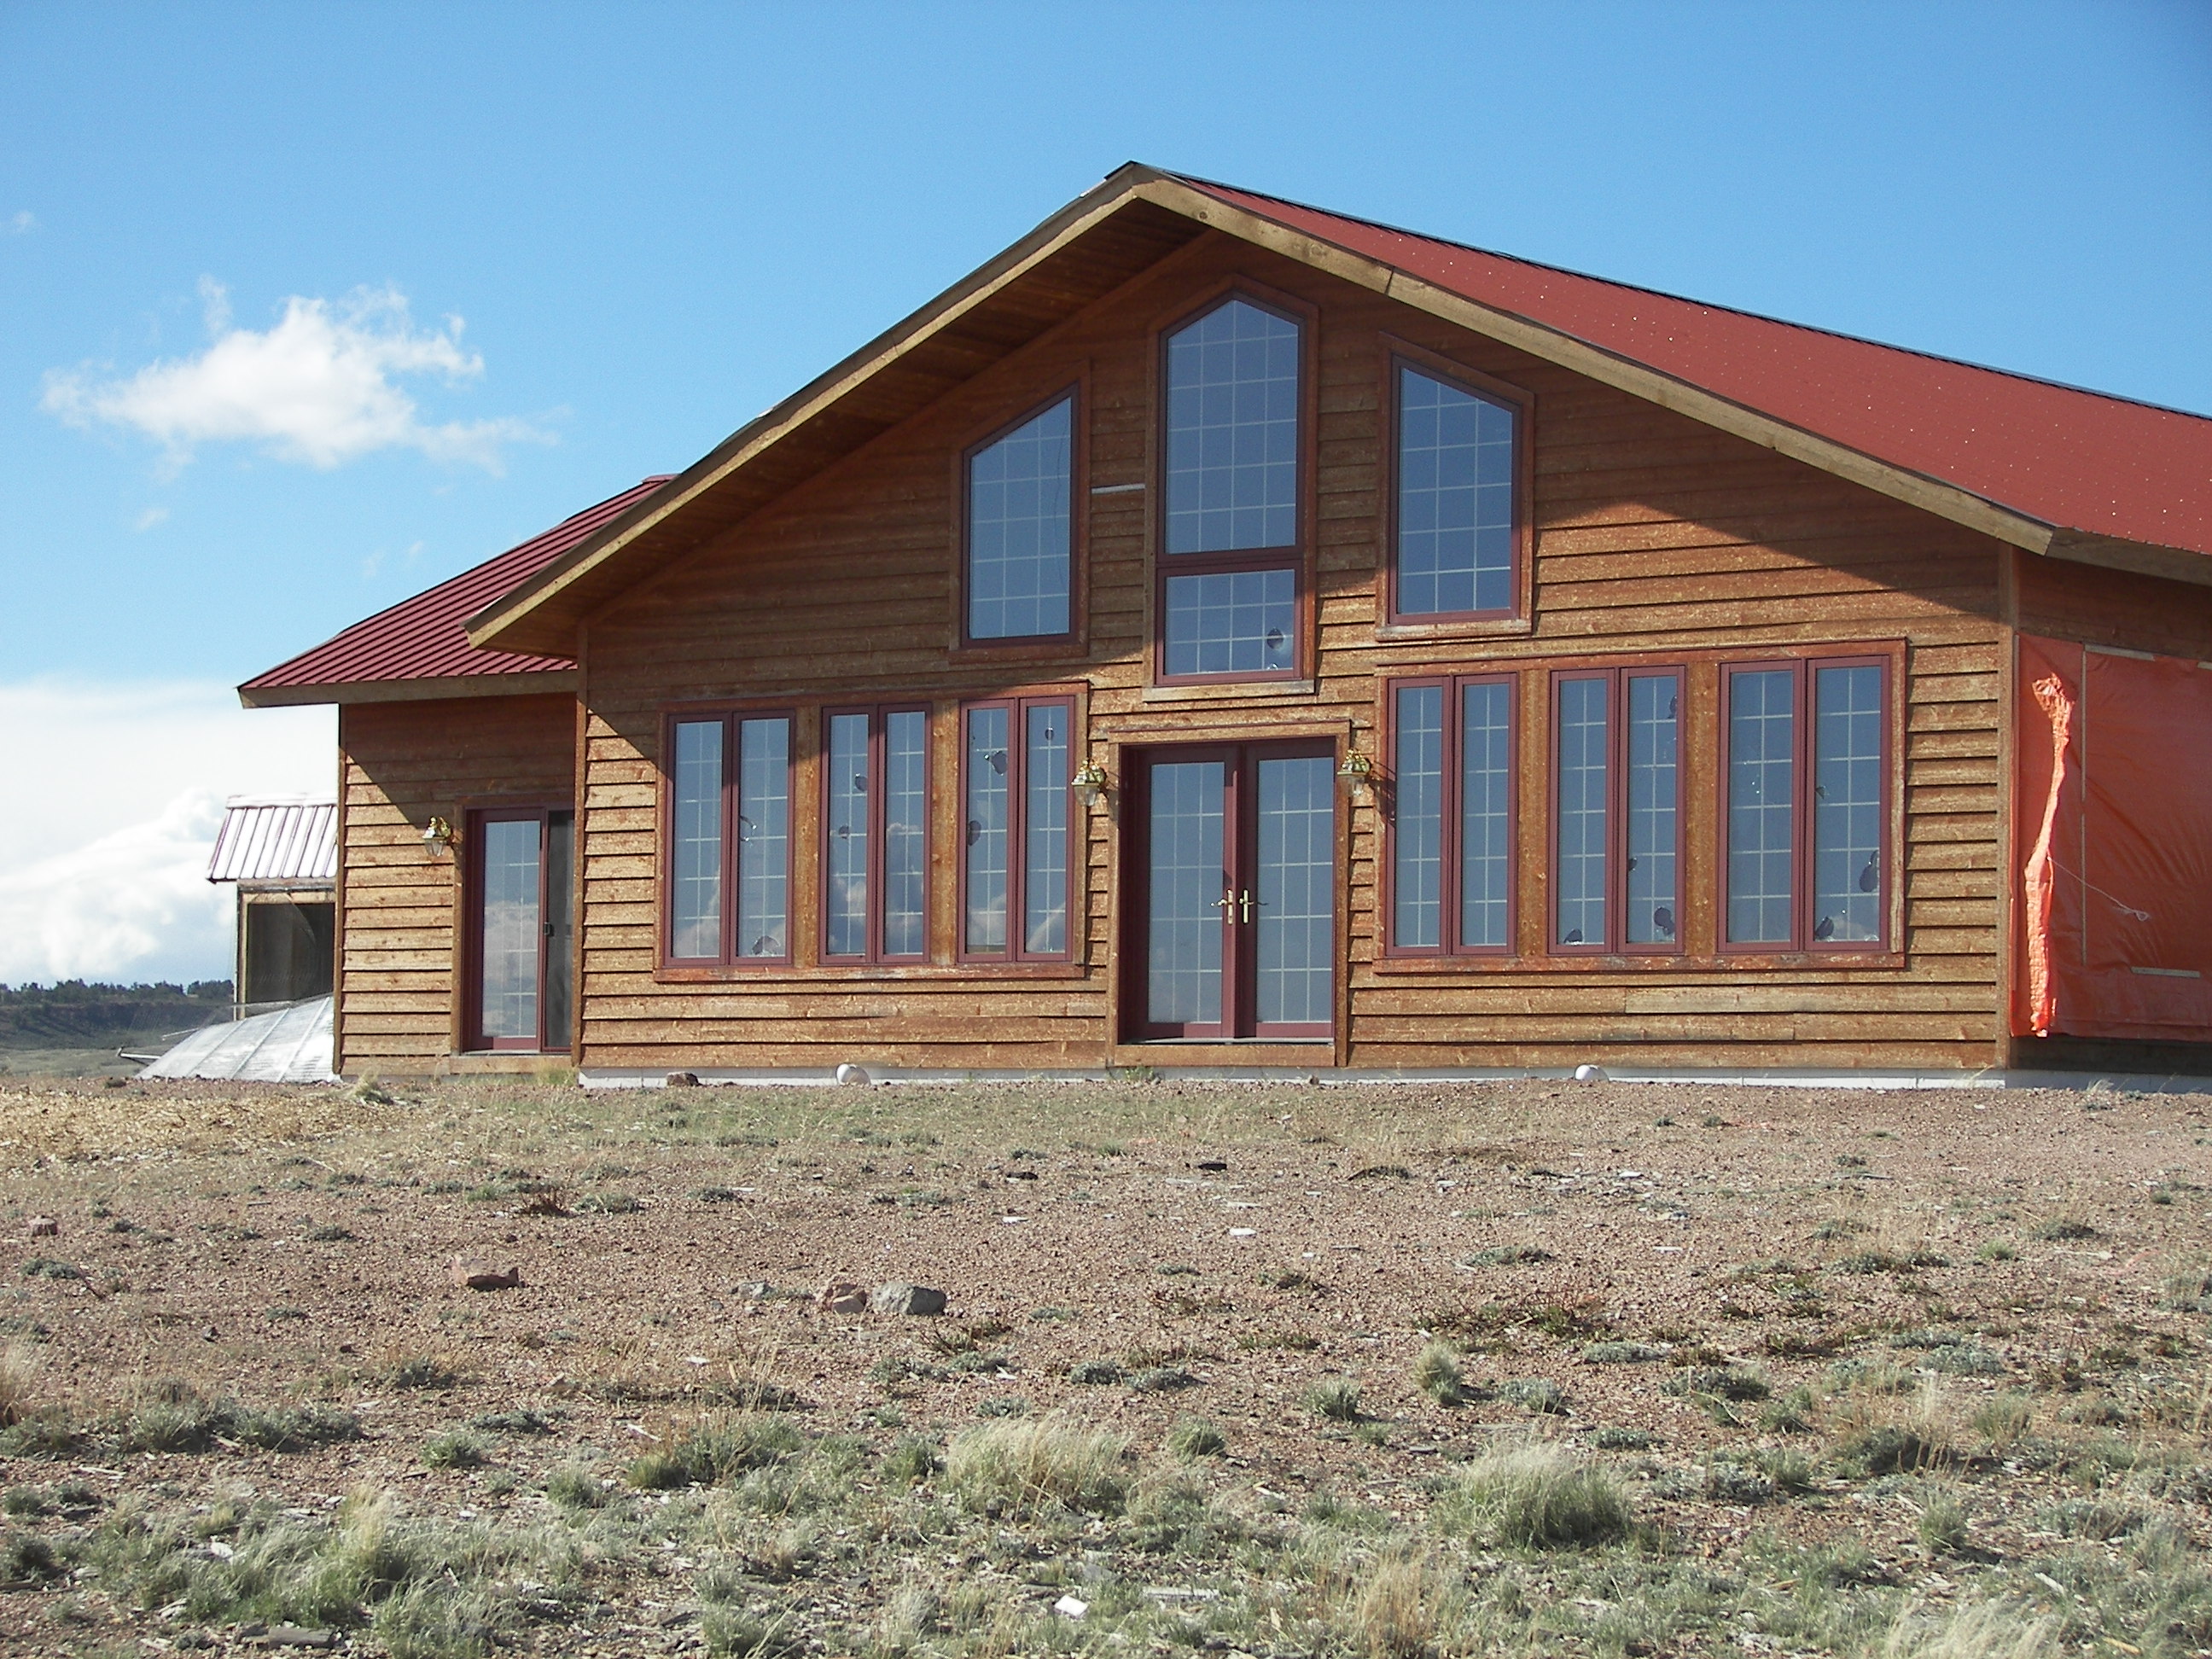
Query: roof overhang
(553, 681)
(1135, 217)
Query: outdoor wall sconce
(1089, 783)
(438, 833)
(1355, 775)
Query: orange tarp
(2115, 817)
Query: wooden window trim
(728, 715)
(1015, 953)
(1298, 557)
(879, 715)
(1449, 946)
(1517, 618)
(1031, 647)
(475, 812)
(1802, 666)
(1616, 943)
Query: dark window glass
(1019, 556)
(764, 837)
(1485, 812)
(1847, 804)
(1233, 622)
(695, 882)
(1418, 825)
(1232, 471)
(1584, 746)
(1454, 519)
(1762, 765)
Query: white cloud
(116, 792)
(320, 386)
(23, 223)
(149, 517)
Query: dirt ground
(1723, 1298)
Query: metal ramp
(291, 1045)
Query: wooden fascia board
(494, 626)
(555, 681)
(2176, 564)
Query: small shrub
(417, 1370)
(912, 1460)
(712, 1449)
(328, 1232)
(1621, 1353)
(1095, 1371)
(1539, 1394)
(1193, 1437)
(1005, 1404)
(523, 1420)
(1437, 1373)
(2061, 1230)
(1507, 1256)
(1791, 1414)
(573, 1486)
(1728, 1481)
(1942, 1525)
(1997, 1249)
(1161, 1379)
(19, 1384)
(456, 1449)
(2002, 1419)
(39, 1267)
(1398, 1607)
(1985, 1631)
(1336, 1398)
(1537, 1497)
(1018, 1466)
(1620, 1439)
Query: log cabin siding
(1653, 534)
(400, 971)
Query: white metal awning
(277, 839)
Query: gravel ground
(1228, 1247)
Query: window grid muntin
(749, 871)
(1582, 790)
(1234, 385)
(1848, 774)
(1019, 494)
(1634, 859)
(875, 834)
(763, 821)
(1455, 517)
(1465, 815)
(696, 921)
(1651, 860)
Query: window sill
(785, 974)
(1488, 627)
(1795, 962)
(1229, 690)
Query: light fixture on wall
(1089, 783)
(438, 833)
(1355, 775)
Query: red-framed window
(875, 832)
(1616, 855)
(1805, 808)
(1459, 523)
(1017, 856)
(1453, 853)
(1231, 600)
(1019, 584)
(728, 838)
(520, 870)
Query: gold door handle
(1248, 904)
(1227, 902)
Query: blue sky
(237, 411)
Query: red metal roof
(2075, 460)
(422, 638)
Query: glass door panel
(510, 886)
(1239, 915)
(1294, 888)
(1187, 877)
(559, 935)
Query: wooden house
(1220, 633)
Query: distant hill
(76, 1015)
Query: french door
(1235, 900)
(521, 864)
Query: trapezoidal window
(875, 834)
(1617, 810)
(1456, 515)
(1808, 792)
(1020, 574)
(1230, 570)
(1015, 866)
(729, 839)
(1451, 816)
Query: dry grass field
(1525, 1368)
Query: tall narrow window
(729, 839)
(1617, 849)
(1451, 816)
(1016, 865)
(1456, 511)
(875, 875)
(1020, 531)
(1230, 525)
(1807, 857)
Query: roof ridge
(1705, 304)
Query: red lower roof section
(423, 639)
(2075, 459)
